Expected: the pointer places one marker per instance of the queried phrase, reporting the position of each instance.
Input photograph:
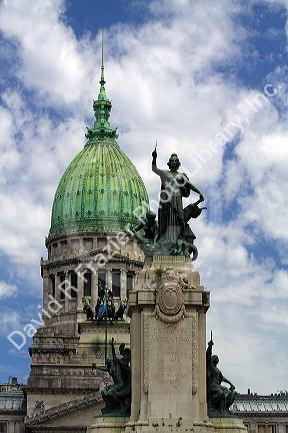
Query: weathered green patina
(101, 188)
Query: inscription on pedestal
(168, 370)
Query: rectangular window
(102, 280)
(272, 428)
(3, 427)
(116, 283)
(129, 282)
(87, 283)
(74, 285)
(261, 428)
(62, 285)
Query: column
(281, 427)
(109, 279)
(80, 292)
(123, 288)
(253, 427)
(134, 280)
(57, 289)
(95, 243)
(10, 427)
(16, 427)
(67, 292)
(81, 245)
(94, 288)
(46, 290)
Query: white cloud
(7, 290)
(52, 59)
(9, 321)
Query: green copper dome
(101, 188)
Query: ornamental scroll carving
(170, 307)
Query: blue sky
(207, 79)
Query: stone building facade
(89, 246)
(12, 407)
(263, 413)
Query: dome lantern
(102, 107)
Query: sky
(206, 79)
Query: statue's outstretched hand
(154, 154)
(201, 197)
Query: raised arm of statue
(155, 169)
(209, 356)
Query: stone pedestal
(228, 425)
(168, 309)
(108, 425)
(168, 342)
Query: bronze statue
(117, 396)
(105, 308)
(174, 236)
(150, 228)
(219, 398)
(87, 308)
(121, 310)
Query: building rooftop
(12, 401)
(261, 403)
(12, 396)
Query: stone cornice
(59, 391)
(63, 429)
(262, 414)
(86, 257)
(12, 412)
(64, 409)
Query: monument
(175, 384)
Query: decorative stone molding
(64, 409)
(146, 351)
(64, 371)
(57, 262)
(170, 307)
(194, 353)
